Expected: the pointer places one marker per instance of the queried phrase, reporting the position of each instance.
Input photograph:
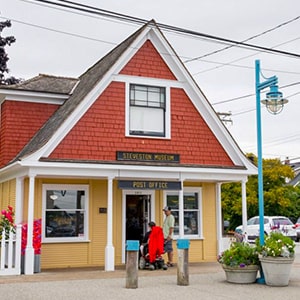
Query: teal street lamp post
(274, 102)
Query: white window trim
(200, 225)
(167, 112)
(86, 215)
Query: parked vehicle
(274, 223)
(297, 227)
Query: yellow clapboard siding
(8, 194)
(64, 255)
(92, 253)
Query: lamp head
(274, 100)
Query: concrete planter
(276, 270)
(246, 274)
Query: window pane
(141, 96)
(146, 120)
(154, 97)
(147, 110)
(64, 224)
(65, 199)
(191, 212)
(176, 226)
(173, 201)
(191, 222)
(190, 201)
(65, 212)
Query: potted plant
(276, 258)
(240, 262)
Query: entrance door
(138, 215)
(138, 211)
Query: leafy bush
(277, 244)
(240, 254)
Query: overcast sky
(62, 42)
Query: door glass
(137, 216)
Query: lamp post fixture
(274, 103)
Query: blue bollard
(132, 248)
(183, 246)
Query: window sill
(62, 240)
(188, 237)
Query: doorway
(138, 215)
(138, 211)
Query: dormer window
(147, 110)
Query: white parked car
(276, 223)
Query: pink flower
(7, 222)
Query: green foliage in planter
(277, 245)
(240, 254)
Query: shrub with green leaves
(239, 255)
(277, 244)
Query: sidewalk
(206, 281)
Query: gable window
(65, 213)
(147, 110)
(192, 212)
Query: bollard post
(132, 248)
(183, 262)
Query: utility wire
(141, 20)
(252, 109)
(127, 18)
(59, 31)
(250, 95)
(246, 40)
(230, 63)
(220, 64)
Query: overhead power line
(246, 40)
(230, 63)
(252, 94)
(127, 18)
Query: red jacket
(156, 243)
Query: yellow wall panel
(8, 194)
(64, 255)
(97, 221)
(92, 253)
(209, 221)
(117, 223)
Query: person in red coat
(155, 243)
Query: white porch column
(181, 214)
(220, 241)
(29, 254)
(244, 208)
(109, 249)
(19, 199)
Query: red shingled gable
(148, 63)
(101, 131)
(19, 122)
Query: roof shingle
(46, 84)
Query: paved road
(206, 281)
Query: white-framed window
(147, 111)
(192, 211)
(65, 213)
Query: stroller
(151, 255)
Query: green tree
(5, 41)
(279, 198)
